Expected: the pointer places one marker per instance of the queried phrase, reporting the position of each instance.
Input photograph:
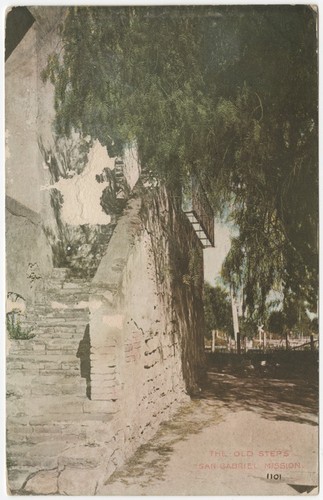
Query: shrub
(14, 328)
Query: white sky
(82, 192)
(214, 257)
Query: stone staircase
(49, 413)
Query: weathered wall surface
(146, 323)
(178, 260)
(28, 253)
(135, 335)
(110, 360)
(29, 116)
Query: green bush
(15, 329)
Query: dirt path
(228, 440)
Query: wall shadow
(294, 400)
(83, 353)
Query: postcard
(162, 250)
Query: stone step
(58, 308)
(65, 339)
(45, 377)
(66, 297)
(28, 366)
(43, 353)
(56, 280)
(44, 357)
(55, 283)
(56, 322)
(62, 339)
(73, 385)
(59, 321)
(52, 291)
(76, 311)
(45, 453)
(67, 277)
(75, 301)
(48, 408)
(79, 309)
(53, 319)
(45, 335)
(64, 332)
(54, 341)
(60, 271)
(76, 389)
(45, 324)
(71, 421)
(52, 389)
(77, 284)
(83, 430)
(38, 357)
(43, 344)
(17, 476)
(42, 433)
(51, 382)
(48, 342)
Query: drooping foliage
(228, 93)
(217, 309)
(293, 319)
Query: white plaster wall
(22, 160)
(29, 106)
(29, 113)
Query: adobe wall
(110, 360)
(146, 319)
(29, 256)
(29, 113)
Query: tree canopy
(228, 93)
(217, 309)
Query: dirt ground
(243, 435)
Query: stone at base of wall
(43, 483)
(74, 481)
(69, 481)
(84, 469)
(74, 475)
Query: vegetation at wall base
(14, 328)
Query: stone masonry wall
(29, 256)
(146, 323)
(109, 360)
(178, 260)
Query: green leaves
(228, 93)
(217, 309)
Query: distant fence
(277, 363)
(254, 345)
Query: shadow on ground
(292, 399)
(149, 462)
(225, 392)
